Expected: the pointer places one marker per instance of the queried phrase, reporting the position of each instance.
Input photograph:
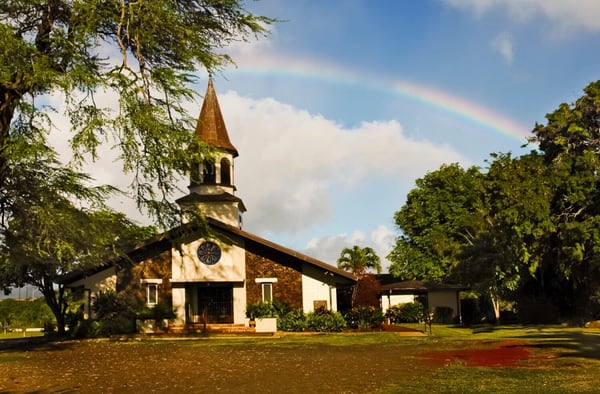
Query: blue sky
(346, 103)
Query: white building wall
(94, 284)
(239, 304)
(315, 290)
(443, 298)
(390, 300)
(178, 299)
(186, 267)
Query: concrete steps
(210, 329)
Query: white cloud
(328, 249)
(566, 16)
(502, 43)
(292, 163)
(294, 166)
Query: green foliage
(323, 320)
(59, 47)
(260, 309)
(156, 312)
(436, 222)
(410, 312)
(293, 320)
(525, 230)
(16, 314)
(51, 220)
(442, 314)
(364, 317)
(357, 260)
(115, 313)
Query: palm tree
(357, 260)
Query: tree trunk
(57, 304)
(9, 100)
(496, 305)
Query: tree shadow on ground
(568, 344)
(48, 343)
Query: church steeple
(211, 126)
(212, 185)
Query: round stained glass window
(209, 253)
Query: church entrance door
(215, 304)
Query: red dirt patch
(506, 354)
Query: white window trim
(149, 283)
(262, 291)
(155, 281)
(265, 280)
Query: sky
(346, 103)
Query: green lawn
(19, 334)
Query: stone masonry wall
(287, 289)
(158, 267)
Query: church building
(209, 274)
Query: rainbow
(454, 105)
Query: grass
(562, 359)
(19, 334)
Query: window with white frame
(151, 290)
(267, 292)
(266, 285)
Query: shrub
(260, 309)
(322, 320)
(293, 320)
(115, 313)
(157, 312)
(364, 317)
(443, 314)
(411, 312)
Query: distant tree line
(16, 315)
(525, 230)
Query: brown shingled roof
(211, 126)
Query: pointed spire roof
(211, 126)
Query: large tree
(570, 142)
(143, 54)
(440, 217)
(508, 250)
(58, 224)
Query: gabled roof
(211, 127)
(282, 249)
(161, 242)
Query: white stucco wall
(94, 284)
(187, 267)
(390, 300)
(316, 287)
(239, 304)
(178, 299)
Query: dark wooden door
(215, 304)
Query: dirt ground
(103, 366)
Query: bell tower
(212, 187)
